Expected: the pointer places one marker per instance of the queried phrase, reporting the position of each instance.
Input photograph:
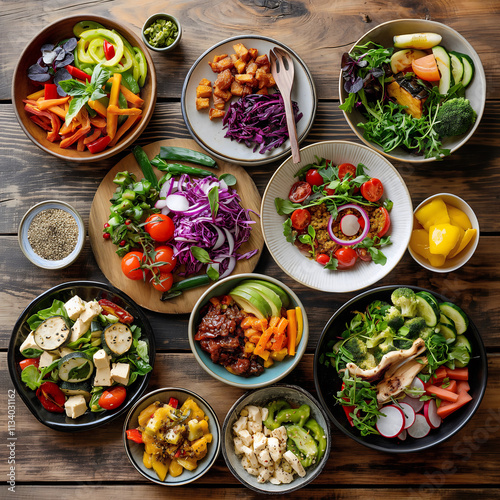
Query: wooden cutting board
(105, 252)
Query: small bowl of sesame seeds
(52, 234)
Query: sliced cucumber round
(75, 367)
(448, 331)
(456, 315)
(468, 66)
(52, 333)
(428, 308)
(444, 66)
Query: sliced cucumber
(116, 339)
(52, 333)
(75, 367)
(428, 308)
(456, 315)
(468, 65)
(76, 389)
(444, 66)
(447, 330)
(457, 68)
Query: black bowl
(87, 290)
(327, 381)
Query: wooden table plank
(326, 30)
(471, 457)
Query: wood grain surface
(105, 252)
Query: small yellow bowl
(463, 257)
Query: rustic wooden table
(50, 464)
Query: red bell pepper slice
(134, 435)
(51, 91)
(40, 121)
(99, 144)
(174, 403)
(51, 397)
(115, 310)
(109, 50)
(53, 135)
(28, 362)
(77, 73)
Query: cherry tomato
(330, 192)
(301, 218)
(364, 254)
(347, 168)
(163, 281)
(51, 397)
(28, 362)
(426, 68)
(299, 192)
(323, 259)
(387, 222)
(165, 254)
(160, 227)
(346, 256)
(112, 398)
(372, 190)
(131, 263)
(314, 178)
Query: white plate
(210, 135)
(309, 272)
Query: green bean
(180, 286)
(147, 169)
(184, 154)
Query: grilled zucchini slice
(116, 339)
(52, 333)
(75, 367)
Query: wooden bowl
(22, 87)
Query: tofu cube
(101, 359)
(120, 373)
(64, 351)
(92, 310)
(74, 307)
(213, 114)
(202, 103)
(78, 329)
(103, 377)
(29, 343)
(203, 91)
(47, 358)
(75, 406)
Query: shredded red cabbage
(220, 236)
(259, 121)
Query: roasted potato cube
(204, 81)
(242, 52)
(203, 91)
(251, 68)
(247, 90)
(240, 66)
(224, 80)
(219, 103)
(263, 91)
(219, 57)
(223, 64)
(234, 57)
(213, 114)
(262, 60)
(202, 103)
(224, 94)
(253, 53)
(236, 88)
(245, 79)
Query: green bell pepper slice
(82, 26)
(273, 408)
(319, 435)
(143, 65)
(130, 82)
(298, 415)
(111, 37)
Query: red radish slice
(403, 435)
(430, 413)
(359, 239)
(409, 414)
(417, 385)
(416, 404)
(391, 422)
(420, 427)
(349, 225)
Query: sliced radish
(391, 422)
(416, 385)
(177, 203)
(420, 427)
(403, 435)
(349, 225)
(416, 404)
(409, 414)
(430, 413)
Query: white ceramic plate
(210, 135)
(309, 272)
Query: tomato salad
(337, 214)
(91, 85)
(82, 356)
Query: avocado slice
(251, 301)
(285, 299)
(272, 298)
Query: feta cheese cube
(78, 329)
(29, 343)
(238, 443)
(259, 442)
(103, 377)
(240, 424)
(92, 310)
(120, 373)
(246, 437)
(101, 359)
(74, 307)
(75, 406)
(47, 358)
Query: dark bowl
(327, 381)
(87, 290)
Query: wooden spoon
(283, 73)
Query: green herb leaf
(213, 198)
(73, 87)
(213, 274)
(285, 207)
(229, 179)
(332, 264)
(288, 231)
(75, 106)
(201, 255)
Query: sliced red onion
(177, 203)
(161, 204)
(165, 211)
(230, 241)
(168, 188)
(232, 263)
(220, 238)
(359, 239)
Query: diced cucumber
(75, 367)
(457, 68)
(444, 66)
(456, 314)
(428, 308)
(468, 65)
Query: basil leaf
(213, 274)
(201, 255)
(97, 94)
(213, 198)
(73, 87)
(75, 106)
(229, 179)
(100, 76)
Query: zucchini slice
(456, 315)
(117, 339)
(444, 66)
(76, 389)
(75, 367)
(52, 333)
(95, 329)
(428, 308)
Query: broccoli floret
(384, 335)
(361, 356)
(415, 326)
(394, 318)
(454, 117)
(402, 343)
(369, 362)
(406, 300)
(426, 333)
(384, 348)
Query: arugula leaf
(288, 231)
(285, 207)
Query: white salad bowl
(307, 271)
(453, 41)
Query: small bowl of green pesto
(161, 32)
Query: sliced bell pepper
(50, 91)
(129, 81)
(115, 110)
(116, 310)
(130, 122)
(134, 435)
(91, 138)
(77, 73)
(80, 144)
(174, 403)
(109, 50)
(36, 95)
(41, 121)
(99, 145)
(53, 134)
(89, 35)
(98, 107)
(113, 101)
(143, 65)
(292, 331)
(48, 103)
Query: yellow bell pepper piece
(188, 463)
(419, 243)
(433, 213)
(279, 355)
(175, 469)
(458, 217)
(268, 362)
(300, 325)
(443, 238)
(467, 237)
(196, 411)
(147, 460)
(160, 468)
